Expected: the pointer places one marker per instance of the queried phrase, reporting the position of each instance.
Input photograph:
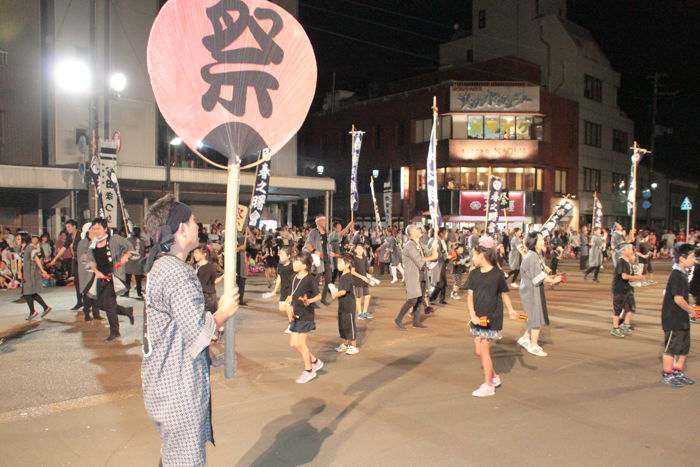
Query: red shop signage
(473, 203)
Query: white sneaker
(394, 281)
(288, 330)
(305, 377)
(341, 348)
(352, 350)
(485, 390)
(496, 381)
(537, 350)
(316, 366)
(524, 342)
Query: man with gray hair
(414, 265)
(317, 242)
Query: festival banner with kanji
(632, 188)
(96, 182)
(493, 204)
(377, 219)
(562, 210)
(597, 212)
(356, 146)
(388, 200)
(260, 191)
(431, 175)
(108, 163)
(128, 224)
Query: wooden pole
(435, 116)
(634, 201)
(352, 149)
(230, 258)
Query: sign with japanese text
(493, 205)
(260, 191)
(473, 204)
(232, 76)
(388, 200)
(108, 191)
(562, 210)
(466, 98)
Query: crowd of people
(305, 267)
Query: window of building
(619, 141)
(324, 143)
(2, 131)
(475, 127)
(619, 183)
(377, 137)
(470, 55)
(591, 179)
(524, 127)
(592, 88)
(560, 181)
(440, 178)
(420, 180)
(482, 19)
(445, 127)
(459, 126)
(453, 180)
(592, 133)
(508, 127)
(538, 182)
(401, 133)
(492, 127)
(421, 130)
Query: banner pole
(230, 258)
(634, 201)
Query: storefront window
(459, 126)
(420, 180)
(540, 175)
(529, 180)
(468, 178)
(482, 178)
(524, 125)
(445, 127)
(508, 127)
(476, 127)
(538, 126)
(440, 178)
(453, 181)
(491, 127)
(514, 179)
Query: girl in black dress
(208, 276)
(303, 296)
(271, 259)
(346, 306)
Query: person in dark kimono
(85, 274)
(595, 254)
(534, 275)
(177, 334)
(31, 274)
(71, 245)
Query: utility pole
(93, 120)
(107, 64)
(654, 109)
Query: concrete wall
(20, 82)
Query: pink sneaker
(305, 377)
(317, 365)
(496, 381)
(484, 390)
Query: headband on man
(164, 236)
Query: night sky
(368, 43)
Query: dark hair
(24, 237)
(682, 251)
(305, 258)
(516, 230)
(101, 221)
(72, 222)
(531, 240)
(441, 230)
(158, 214)
(348, 259)
(490, 254)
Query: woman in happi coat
(533, 276)
(595, 254)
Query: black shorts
(302, 326)
(346, 325)
(624, 302)
(361, 290)
(211, 302)
(677, 342)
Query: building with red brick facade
(493, 119)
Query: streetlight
(375, 173)
(117, 82)
(654, 185)
(176, 141)
(320, 169)
(73, 76)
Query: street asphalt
(69, 398)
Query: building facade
(511, 128)
(41, 124)
(574, 67)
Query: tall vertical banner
(431, 173)
(493, 204)
(377, 219)
(597, 212)
(95, 168)
(388, 200)
(356, 146)
(637, 153)
(108, 159)
(305, 214)
(562, 210)
(128, 224)
(260, 190)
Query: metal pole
(687, 225)
(93, 118)
(634, 201)
(654, 107)
(107, 60)
(230, 258)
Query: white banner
(597, 213)
(431, 176)
(356, 146)
(388, 200)
(108, 164)
(377, 219)
(562, 210)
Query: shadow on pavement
(295, 441)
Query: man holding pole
(177, 334)
(317, 242)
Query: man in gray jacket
(317, 242)
(414, 264)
